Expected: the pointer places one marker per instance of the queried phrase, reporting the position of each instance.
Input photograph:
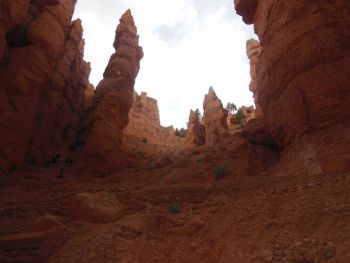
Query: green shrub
(220, 171)
(174, 208)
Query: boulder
(99, 207)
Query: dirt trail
(181, 213)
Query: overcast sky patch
(189, 45)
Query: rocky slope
(43, 79)
(302, 79)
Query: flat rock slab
(23, 240)
(99, 207)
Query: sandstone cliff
(302, 78)
(253, 51)
(144, 122)
(43, 79)
(215, 118)
(112, 101)
(195, 135)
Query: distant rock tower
(215, 118)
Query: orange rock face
(112, 101)
(215, 118)
(253, 51)
(195, 135)
(302, 73)
(144, 122)
(43, 78)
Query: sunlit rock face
(43, 79)
(112, 101)
(144, 122)
(302, 76)
(215, 118)
(195, 135)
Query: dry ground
(186, 209)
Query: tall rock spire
(113, 100)
(215, 118)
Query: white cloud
(204, 46)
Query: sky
(188, 45)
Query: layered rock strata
(215, 118)
(43, 78)
(253, 51)
(302, 76)
(112, 101)
(144, 122)
(195, 135)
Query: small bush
(174, 208)
(220, 171)
(201, 158)
(141, 154)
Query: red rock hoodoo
(302, 80)
(144, 122)
(215, 118)
(112, 101)
(43, 79)
(195, 135)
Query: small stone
(329, 253)
(266, 255)
(295, 257)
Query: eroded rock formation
(43, 79)
(253, 51)
(112, 101)
(144, 122)
(215, 118)
(302, 77)
(195, 135)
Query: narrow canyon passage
(90, 175)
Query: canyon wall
(254, 49)
(144, 122)
(303, 85)
(113, 99)
(43, 79)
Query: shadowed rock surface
(112, 101)
(275, 190)
(43, 80)
(195, 135)
(302, 80)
